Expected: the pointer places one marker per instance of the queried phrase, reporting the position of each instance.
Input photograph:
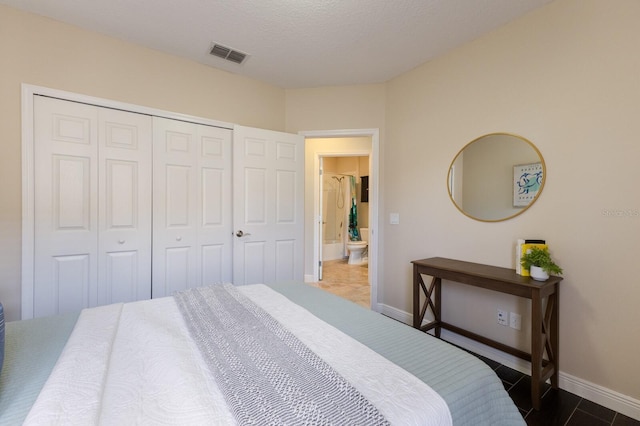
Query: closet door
(192, 206)
(92, 206)
(124, 206)
(66, 206)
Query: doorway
(340, 144)
(344, 232)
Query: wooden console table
(544, 328)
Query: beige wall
(44, 52)
(566, 78)
(330, 108)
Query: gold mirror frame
(520, 156)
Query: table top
(456, 269)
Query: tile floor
(559, 407)
(348, 281)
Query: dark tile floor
(559, 407)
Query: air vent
(229, 54)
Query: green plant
(541, 258)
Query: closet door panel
(192, 206)
(124, 265)
(71, 180)
(178, 196)
(174, 220)
(255, 196)
(213, 192)
(121, 201)
(66, 206)
(285, 260)
(214, 264)
(121, 276)
(179, 272)
(215, 220)
(258, 271)
(71, 283)
(180, 231)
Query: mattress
(473, 393)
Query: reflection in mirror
(496, 177)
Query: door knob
(241, 234)
(120, 241)
(178, 238)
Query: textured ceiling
(294, 43)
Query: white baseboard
(600, 395)
(396, 314)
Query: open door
(268, 203)
(321, 221)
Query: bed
(70, 369)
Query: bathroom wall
(363, 208)
(357, 166)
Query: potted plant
(539, 262)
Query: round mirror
(496, 177)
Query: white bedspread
(135, 363)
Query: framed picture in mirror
(527, 181)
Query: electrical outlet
(502, 317)
(515, 320)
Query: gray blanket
(266, 374)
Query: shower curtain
(354, 235)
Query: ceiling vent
(229, 54)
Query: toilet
(357, 248)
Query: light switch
(394, 218)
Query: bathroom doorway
(344, 231)
(320, 144)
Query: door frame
(28, 169)
(374, 173)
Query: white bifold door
(130, 206)
(192, 206)
(92, 184)
(226, 212)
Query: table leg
(537, 348)
(416, 298)
(555, 331)
(437, 308)
(432, 300)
